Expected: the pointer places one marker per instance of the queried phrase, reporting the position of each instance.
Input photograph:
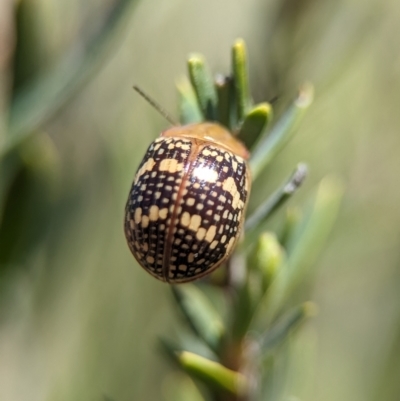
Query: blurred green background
(78, 318)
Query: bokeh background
(79, 319)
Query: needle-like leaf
(241, 78)
(203, 85)
(255, 122)
(189, 110)
(199, 313)
(268, 146)
(271, 204)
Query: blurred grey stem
(39, 102)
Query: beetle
(186, 206)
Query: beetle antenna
(153, 103)
(274, 99)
